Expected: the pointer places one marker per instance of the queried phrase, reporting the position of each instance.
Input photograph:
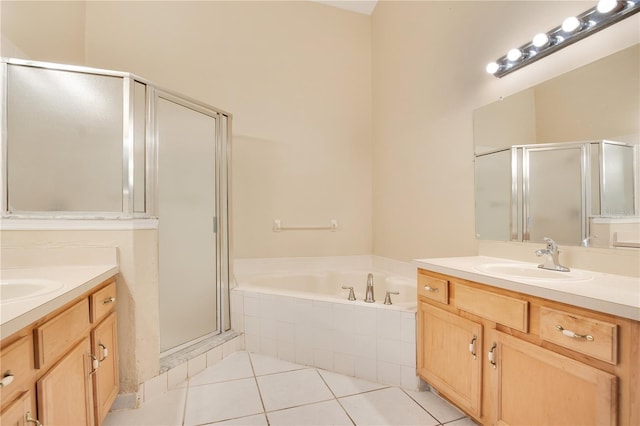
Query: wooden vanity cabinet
(537, 361)
(17, 413)
(449, 355)
(67, 363)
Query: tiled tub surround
(371, 341)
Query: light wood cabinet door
(65, 392)
(449, 355)
(534, 386)
(106, 378)
(17, 413)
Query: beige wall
(428, 78)
(297, 78)
(50, 31)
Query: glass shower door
(186, 208)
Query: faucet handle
(387, 298)
(352, 295)
(551, 245)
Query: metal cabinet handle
(109, 300)
(574, 335)
(472, 346)
(95, 364)
(30, 419)
(105, 352)
(431, 289)
(6, 379)
(491, 355)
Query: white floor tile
(267, 365)
(292, 394)
(343, 386)
(222, 401)
(325, 413)
(436, 406)
(235, 366)
(293, 388)
(167, 409)
(467, 421)
(388, 406)
(257, 420)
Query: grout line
(335, 397)
(186, 402)
(255, 379)
(425, 409)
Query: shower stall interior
(84, 143)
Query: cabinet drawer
(55, 336)
(588, 336)
(16, 362)
(502, 309)
(433, 288)
(102, 302)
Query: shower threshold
(184, 353)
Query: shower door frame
(222, 173)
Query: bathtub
(305, 317)
(328, 286)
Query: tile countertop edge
(16, 324)
(599, 305)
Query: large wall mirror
(561, 159)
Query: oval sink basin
(24, 288)
(531, 272)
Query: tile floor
(252, 389)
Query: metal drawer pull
(431, 289)
(95, 364)
(491, 355)
(575, 335)
(105, 352)
(30, 419)
(7, 379)
(472, 347)
(109, 300)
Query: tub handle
(387, 298)
(352, 295)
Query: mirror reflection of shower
(529, 191)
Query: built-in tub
(328, 286)
(306, 318)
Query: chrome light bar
(573, 29)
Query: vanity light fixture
(574, 28)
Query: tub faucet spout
(369, 294)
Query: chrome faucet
(369, 294)
(551, 254)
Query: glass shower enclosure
(83, 143)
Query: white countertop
(609, 293)
(75, 280)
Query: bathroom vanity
(58, 350)
(512, 344)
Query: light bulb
(514, 55)
(606, 6)
(570, 24)
(540, 40)
(492, 67)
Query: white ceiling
(360, 6)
